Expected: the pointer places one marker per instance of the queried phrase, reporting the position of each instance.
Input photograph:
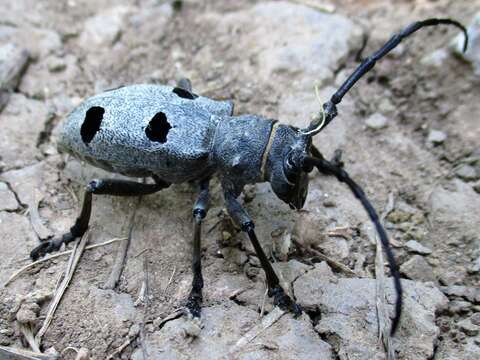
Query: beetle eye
(289, 168)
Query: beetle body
(176, 136)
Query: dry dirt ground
(409, 130)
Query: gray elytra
(173, 135)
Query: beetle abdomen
(142, 130)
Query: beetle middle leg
(194, 301)
(275, 290)
(98, 187)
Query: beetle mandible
(173, 135)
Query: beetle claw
(285, 302)
(44, 248)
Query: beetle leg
(194, 301)
(98, 187)
(240, 216)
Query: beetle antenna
(329, 168)
(330, 106)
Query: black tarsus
(330, 106)
(329, 168)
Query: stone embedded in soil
(459, 307)
(290, 270)
(310, 229)
(28, 312)
(224, 326)
(16, 241)
(7, 198)
(468, 327)
(453, 275)
(21, 123)
(476, 187)
(56, 64)
(348, 315)
(39, 42)
(376, 122)
(470, 293)
(453, 349)
(472, 54)
(415, 247)
(103, 29)
(475, 319)
(436, 137)
(475, 267)
(13, 62)
(417, 268)
(299, 48)
(466, 172)
(447, 202)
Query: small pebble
(376, 122)
(416, 247)
(329, 203)
(466, 172)
(254, 261)
(416, 268)
(475, 319)
(458, 307)
(468, 327)
(476, 187)
(56, 64)
(475, 267)
(436, 137)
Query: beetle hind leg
(194, 301)
(98, 187)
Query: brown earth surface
(408, 130)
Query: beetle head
(288, 178)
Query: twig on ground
(333, 263)
(323, 7)
(382, 313)
(258, 329)
(70, 270)
(145, 308)
(170, 280)
(31, 265)
(262, 309)
(71, 193)
(120, 259)
(122, 347)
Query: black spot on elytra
(91, 124)
(184, 93)
(158, 127)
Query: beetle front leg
(194, 301)
(240, 216)
(98, 187)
